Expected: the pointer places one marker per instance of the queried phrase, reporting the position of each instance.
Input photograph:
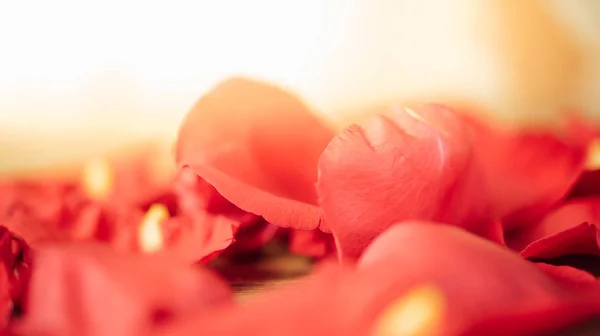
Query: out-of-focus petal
(91, 290)
(35, 210)
(195, 196)
(400, 166)
(15, 263)
(477, 278)
(588, 185)
(113, 224)
(569, 230)
(526, 173)
(6, 304)
(258, 146)
(253, 236)
(473, 280)
(568, 274)
(199, 238)
(312, 243)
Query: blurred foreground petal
(86, 289)
(420, 277)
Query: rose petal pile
(441, 225)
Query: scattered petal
(396, 167)
(477, 278)
(258, 146)
(568, 274)
(449, 278)
(96, 291)
(587, 185)
(312, 243)
(526, 173)
(569, 230)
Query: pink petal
(96, 291)
(196, 238)
(526, 172)
(396, 167)
(477, 279)
(568, 274)
(258, 146)
(312, 243)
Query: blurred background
(83, 77)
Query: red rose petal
(6, 304)
(197, 238)
(476, 278)
(587, 185)
(15, 260)
(568, 230)
(581, 239)
(35, 210)
(534, 321)
(527, 172)
(308, 307)
(568, 274)
(398, 167)
(258, 146)
(96, 291)
(253, 236)
(312, 243)
(115, 225)
(45, 200)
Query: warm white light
(416, 313)
(150, 234)
(135, 67)
(69, 62)
(97, 179)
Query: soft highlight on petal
(258, 146)
(399, 166)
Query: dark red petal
(92, 290)
(258, 146)
(570, 229)
(587, 185)
(581, 239)
(478, 281)
(253, 236)
(15, 262)
(6, 304)
(396, 167)
(526, 172)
